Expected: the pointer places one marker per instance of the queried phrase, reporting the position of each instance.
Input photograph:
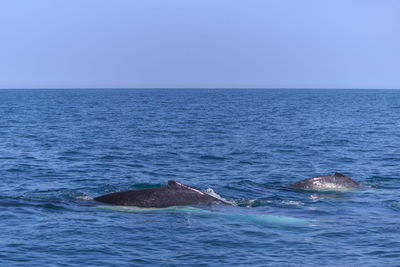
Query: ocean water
(61, 148)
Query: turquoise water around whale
(61, 148)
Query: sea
(60, 148)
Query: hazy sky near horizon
(200, 43)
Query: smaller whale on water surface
(174, 194)
(336, 181)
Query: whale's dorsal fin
(172, 182)
(339, 174)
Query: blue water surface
(61, 148)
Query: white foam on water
(250, 204)
(211, 192)
(292, 203)
(84, 198)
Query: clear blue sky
(200, 43)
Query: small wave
(211, 157)
(244, 162)
(72, 152)
(111, 157)
(15, 170)
(133, 165)
(7, 158)
(392, 204)
(29, 202)
(253, 203)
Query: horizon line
(196, 88)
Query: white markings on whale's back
(188, 187)
(336, 181)
(319, 183)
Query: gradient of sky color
(200, 43)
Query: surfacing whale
(336, 181)
(174, 194)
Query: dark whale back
(336, 181)
(174, 194)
